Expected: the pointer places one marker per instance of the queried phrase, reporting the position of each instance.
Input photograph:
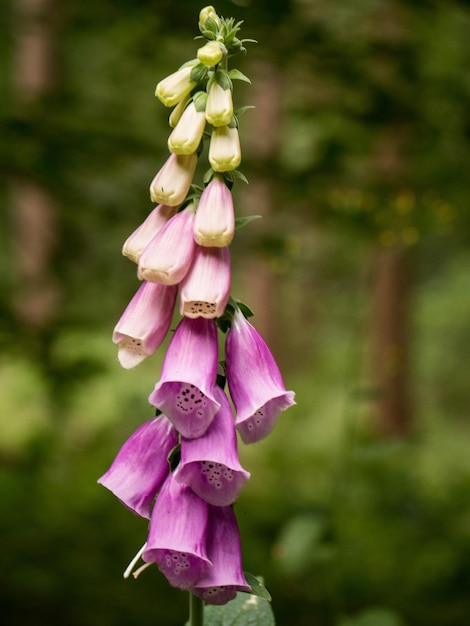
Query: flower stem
(196, 610)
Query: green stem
(196, 610)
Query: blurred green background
(358, 509)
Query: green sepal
(200, 99)
(244, 109)
(243, 221)
(257, 587)
(245, 309)
(198, 73)
(208, 176)
(235, 175)
(221, 377)
(237, 75)
(210, 27)
(174, 458)
(189, 63)
(223, 79)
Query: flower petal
(145, 323)
(141, 466)
(225, 577)
(178, 535)
(254, 381)
(210, 463)
(205, 289)
(169, 255)
(185, 391)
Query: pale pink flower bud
(171, 185)
(135, 243)
(214, 224)
(219, 107)
(224, 150)
(167, 258)
(205, 289)
(175, 87)
(187, 135)
(145, 323)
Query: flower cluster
(181, 469)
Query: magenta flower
(177, 535)
(136, 242)
(210, 464)
(214, 224)
(254, 380)
(167, 258)
(141, 467)
(222, 581)
(185, 391)
(205, 289)
(145, 323)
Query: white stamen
(139, 571)
(131, 565)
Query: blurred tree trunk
(261, 140)
(35, 76)
(390, 337)
(390, 341)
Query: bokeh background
(357, 153)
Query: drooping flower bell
(254, 380)
(210, 463)
(187, 134)
(172, 182)
(205, 289)
(141, 466)
(222, 581)
(141, 237)
(214, 224)
(224, 149)
(178, 535)
(219, 107)
(186, 389)
(173, 88)
(169, 255)
(145, 322)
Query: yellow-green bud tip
(210, 54)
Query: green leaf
(243, 221)
(257, 587)
(243, 610)
(237, 75)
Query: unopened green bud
(210, 54)
(207, 12)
